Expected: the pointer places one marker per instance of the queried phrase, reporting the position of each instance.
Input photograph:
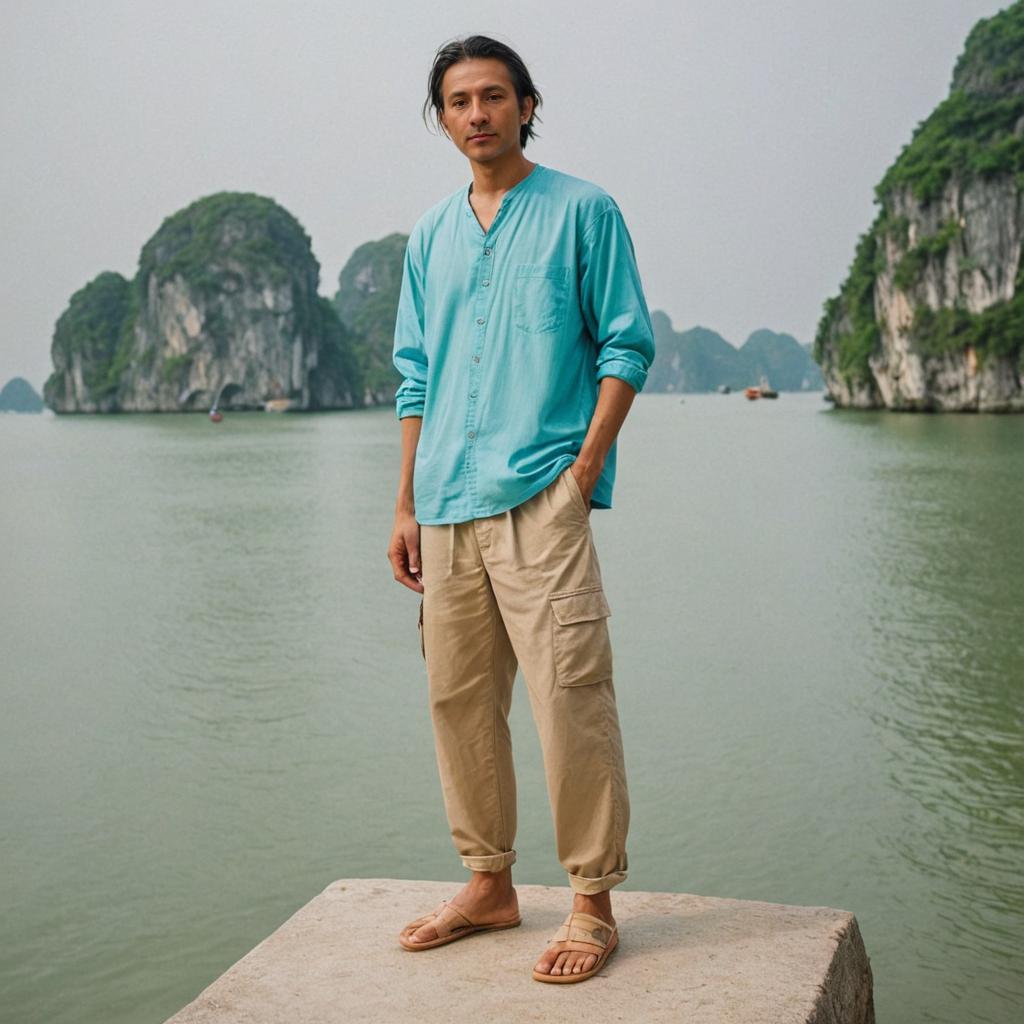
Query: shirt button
(473, 393)
(476, 359)
(487, 252)
(479, 319)
(487, 284)
(471, 434)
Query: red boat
(765, 390)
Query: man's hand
(404, 551)
(587, 475)
(614, 397)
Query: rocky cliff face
(85, 341)
(224, 308)
(931, 316)
(367, 303)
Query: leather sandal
(579, 928)
(451, 924)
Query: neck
(498, 176)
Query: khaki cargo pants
(523, 587)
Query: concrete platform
(680, 958)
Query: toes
(545, 962)
(584, 961)
(566, 961)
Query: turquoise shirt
(502, 336)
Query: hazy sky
(741, 140)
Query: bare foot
(559, 957)
(488, 897)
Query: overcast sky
(742, 141)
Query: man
(522, 336)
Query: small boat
(763, 390)
(215, 414)
(277, 405)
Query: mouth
(481, 137)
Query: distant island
(18, 395)
(931, 315)
(702, 360)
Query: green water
(212, 701)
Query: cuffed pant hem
(591, 886)
(497, 862)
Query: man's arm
(614, 398)
(410, 358)
(615, 311)
(409, 354)
(404, 549)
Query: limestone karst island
(931, 316)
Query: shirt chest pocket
(540, 297)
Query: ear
(444, 124)
(526, 108)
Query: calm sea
(213, 702)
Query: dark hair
(473, 47)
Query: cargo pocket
(582, 645)
(423, 647)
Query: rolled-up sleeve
(409, 354)
(613, 303)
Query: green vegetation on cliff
(996, 331)
(909, 268)
(211, 242)
(367, 303)
(971, 132)
(339, 358)
(95, 327)
(855, 301)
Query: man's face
(481, 113)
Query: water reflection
(947, 645)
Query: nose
(478, 115)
